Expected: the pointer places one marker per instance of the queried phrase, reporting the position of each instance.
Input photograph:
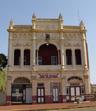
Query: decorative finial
(11, 24)
(82, 24)
(33, 16)
(60, 16)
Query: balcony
(47, 67)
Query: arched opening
(26, 57)
(17, 56)
(75, 89)
(78, 56)
(69, 57)
(75, 78)
(21, 91)
(22, 80)
(48, 55)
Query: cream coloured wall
(66, 37)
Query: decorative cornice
(65, 30)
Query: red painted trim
(8, 100)
(48, 99)
(34, 99)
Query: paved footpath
(36, 107)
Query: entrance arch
(21, 80)
(21, 91)
(48, 55)
(76, 88)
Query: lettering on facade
(49, 75)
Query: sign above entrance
(49, 75)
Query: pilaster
(10, 59)
(73, 58)
(34, 49)
(8, 91)
(62, 50)
(22, 57)
(87, 83)
(84, 50)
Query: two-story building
(47, 62)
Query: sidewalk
(47, 106)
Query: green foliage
(3, 61)
(2, 80)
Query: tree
(2, 81)
(3, 61)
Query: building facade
(93, 88)
(47, 62)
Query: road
(76, 109)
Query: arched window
(68, 57)
(26, 57)
(78, 56)
(17, 57)
(48, 55)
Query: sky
(73, 11)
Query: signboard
(49, 75)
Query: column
(34, 91)
(59, 57)
(87, 83)
(63, 89)
(85, 61)
(22, 57)
(37, 56)
(34, 49)
(73, 58)
(10, 52)
(84, 51)
(8, 90)
(86, 71)
(34, 40)
(62, 51)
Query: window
(67, 90)
(47, 37)
(68, 57)
(17, 58)
(78, 57)
(40, 60)
(26, 57)
(53, 60)
(45, 54)
(82, 90)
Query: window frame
(17, 57)
(53, 60)
(69, 57)
(78, 58)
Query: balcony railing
(47, 67)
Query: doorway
(75, 91)
(55, 94)
(21, 91)
(40, 93)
